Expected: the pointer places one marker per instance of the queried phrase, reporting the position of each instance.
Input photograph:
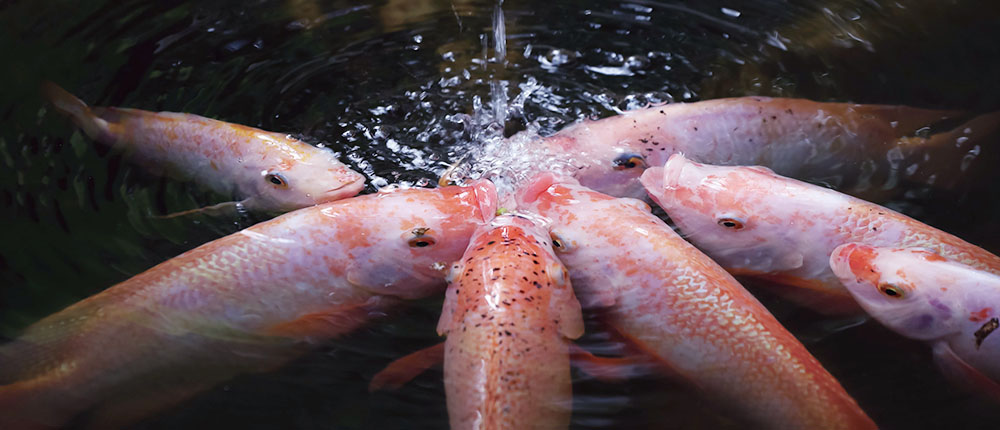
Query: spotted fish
(509, 314)
(754, 222)
(246, 302)
(676, 305)
(267, 171)
(922, 295)
(862, 149)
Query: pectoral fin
(607, 369)
(564, 304)
(328, 324)
(403, 370)
(961, 373)
(224, 209)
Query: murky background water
(402, 88)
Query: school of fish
(519, 268)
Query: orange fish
(267, 171)
(858, 148)
(678, 306)
(509, 313)
(754, 222)
(246, 302)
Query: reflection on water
(402, 89)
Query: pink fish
(509, 313)
(921, 295)
(268, 171)
(754, 222)
(245, 302)
(859, 148)
(674, 303)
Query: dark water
(395, 86)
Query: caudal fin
(77, 110)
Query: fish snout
(348, 187)
(486, 197)
(536, 186)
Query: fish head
(513, 257)
(907, 290)
(296, 183)
(727, 212)
(600, 161)
(414, 235)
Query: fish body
(755, 222)
(859, 148)
(922, 295)
(248, 301)
(270, 171)
(675, 304)
(508, 315)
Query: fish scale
(788, 228)
(686, 312)
(508, 314)
(225, 307)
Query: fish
(862, 149)
(756, 223)
(509, 315)
(919, 294)
(246, 302)
(266, 171)
(678, 307)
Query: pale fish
(246, 302)
(267, 171)
(754, 222)
(679, 307)
(863, 149)
(921, 295)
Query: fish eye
(276, 179)
(890, 290)
(421, 238)
(629, 161)
(731, 223)
(558, 243)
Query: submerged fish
(922, 295)
(268, 171)
(675, 304)
(859, 148)
(246, 302)
(509, 313)
(754, 222)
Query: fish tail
(78, 111)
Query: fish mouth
(536, 187)
(342, 191)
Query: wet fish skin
(843, 144)
(508, 315)
(679, 307)
(787, 229)
(270, 171)
(246, 302)
(921, 295)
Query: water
(403, 89)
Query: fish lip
(343, 191)
(486, 197)
(672, 170)
(536, 187)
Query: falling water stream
(405, 89)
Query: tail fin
(77, 110)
